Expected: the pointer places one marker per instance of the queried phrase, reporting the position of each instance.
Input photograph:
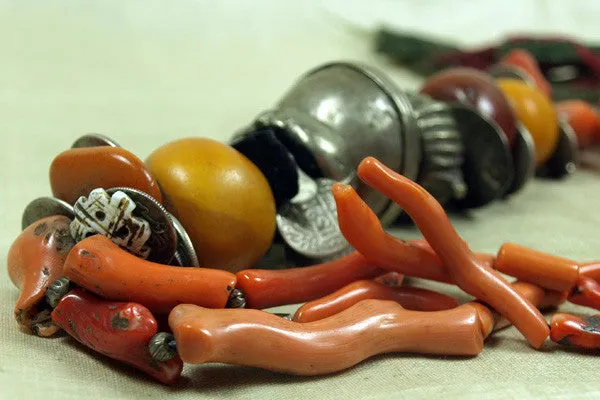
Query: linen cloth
(148, 72)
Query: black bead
(263, 148)
(564, 159)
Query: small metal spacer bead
(57, 290)
(163, 347)
(237, 299)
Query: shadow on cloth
(227, 378)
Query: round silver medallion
(308, 223)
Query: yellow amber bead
(535, 110)
(221, 198)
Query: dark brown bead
(476, 89)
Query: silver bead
(443, 150)
(57, 290)
(162, 347)
(237, 299)
(336, 115)
(43, 207)
(93, 140)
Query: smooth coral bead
(221, 198)
(76, 172)
(535, 110)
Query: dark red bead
(476, 89)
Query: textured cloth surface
(147, 72)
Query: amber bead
(76, 172)
(534, 109)
(476, 89)
(221, 198)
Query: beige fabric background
(147, 72)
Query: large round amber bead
(535, 110)
(221, 198)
